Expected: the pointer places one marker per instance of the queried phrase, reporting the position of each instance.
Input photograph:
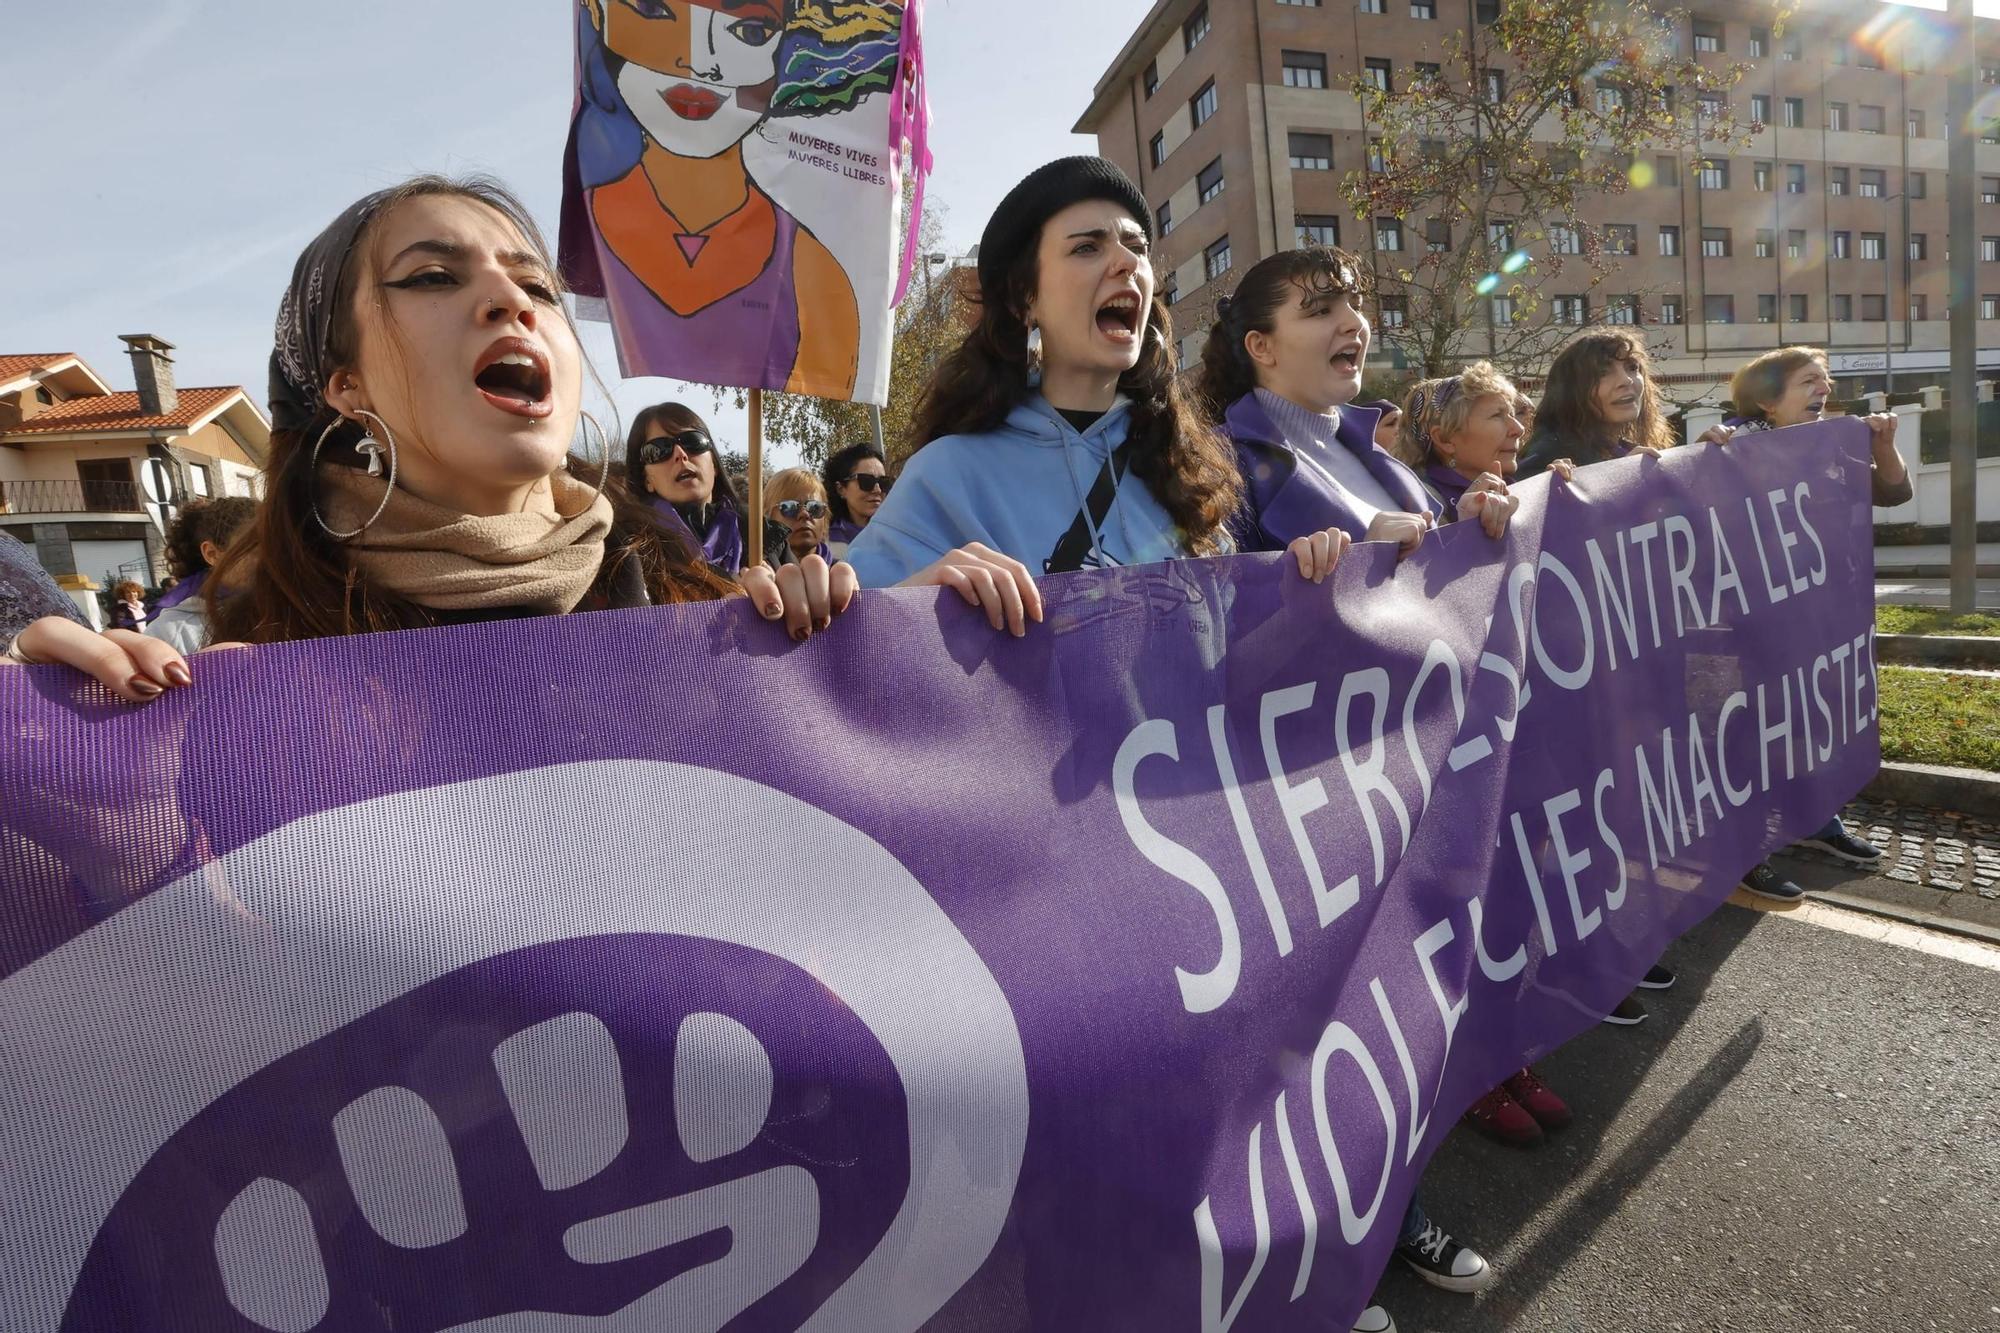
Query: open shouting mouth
(513, 375)
(1118, 318)
(692, 103)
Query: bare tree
(1485, 164)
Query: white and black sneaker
(1374, 1320)
(1765, 881)
(1855, 851)
(1443, 1262)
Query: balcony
(70, 497)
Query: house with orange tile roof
(90, 475)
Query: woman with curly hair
(196, 540)
(1600, 403)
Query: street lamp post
(1961, 99)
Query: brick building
(1828, 227)
(77, 457)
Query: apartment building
(90, 475)
(1827, 227)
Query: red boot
(1499, 1117)
(1538, 1100)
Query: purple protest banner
(639, 970)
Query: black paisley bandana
(305, 318)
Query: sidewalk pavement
(1939, 867)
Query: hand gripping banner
(731, 185)
(639, 970)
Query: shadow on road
(1484, 1192)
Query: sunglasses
(660, 448)
(871, 482)
(792, 510)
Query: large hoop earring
(1034, 347)
(373, 451)
(603, 471)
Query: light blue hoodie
(1017, 489)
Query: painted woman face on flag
(697, 78)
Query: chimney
(152, 372)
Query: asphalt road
(1804, 1136)
(1933, 592)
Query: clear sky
(171, 159)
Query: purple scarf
(721, 543)
(1449, 485)
(180, 592)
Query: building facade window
(1152, 77)
(1874, 308)
(1388, 234)
(1563, 240)
(1170, 290)
(1371, 7)
(1795, 244)
(1208, 181)
(1670, 310)
(1718, 310)
(1712, 106)
(1165, 213)
(1302, 4)
(1836, 180)
(1667, 173)
(1305, 69)
(1376, 71)
(1874, 183)
(1707, 35)
(1195, 28)
(1202, 104)
(1495, 84)
(1437, 235)
(1917, 185)
(1157, 149)
(1760, 43)
(1487, 11)
(1426, 71)
(1394, 312)
(1760, 177)
(1872, 245)
(1215, 259)
(1795, 178)
(1318, 229)
(1621, 238)
(1610, 99)
(1715, 242)
(1423, 9)
(1310, 152)
(1989, 307)
(1836, 115)
(1622, 310)
(1989, 189)
(1794, 48)
(1913, 124)
(1797, 303)
(1989, 248)
(1843, 310)
(1767, 244)
(1760, 108)
(1920, 306)
(1377, 160)
(1570, 309)
(1500, 234)
(1715, 174)
(1767, 309)
(1920, 245)
(1501, 309)
(1841, 244)
(1870, 119)
(1670, 242)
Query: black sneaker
(1658, 978)
(1766, 882)
(1629, 1013)
(1855, 851)
(1443, 1262)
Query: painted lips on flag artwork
(638, 970)
(732, 183)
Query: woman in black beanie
(1056, 432)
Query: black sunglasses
(871, 482)
(793, 509)
(660, 448)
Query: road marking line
(1807, 912)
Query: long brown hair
(1568, 409)
(1321, 272)
(296, 581)
(1190, 468)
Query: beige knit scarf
(449, 561)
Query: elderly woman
(795, 517)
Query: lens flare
(1515, 262)
(1640, 174)
(1487, 285)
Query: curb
(1944, 925)
(1939, 649)
(1966, 790)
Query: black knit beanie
(1017, 223)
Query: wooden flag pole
(756, 515)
